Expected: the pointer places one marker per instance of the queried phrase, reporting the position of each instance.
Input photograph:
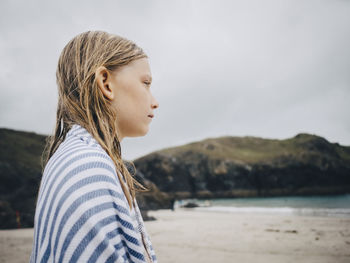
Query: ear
(103, 79)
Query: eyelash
(147, 83)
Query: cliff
(249, 166)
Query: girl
(86, 209)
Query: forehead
(139, 66)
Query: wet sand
(197, 236)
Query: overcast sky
(271, 69)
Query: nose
(155, 103)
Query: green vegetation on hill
(20, 174)
(251, 149)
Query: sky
(270, 69)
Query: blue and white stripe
(82, 214)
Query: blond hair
(81, 102)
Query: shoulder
(79, 161)
(77, 156)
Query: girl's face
(132, 98)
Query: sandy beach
(197, 236)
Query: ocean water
(334, 206)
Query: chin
(145, 132)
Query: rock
(190, 205)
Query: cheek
(132, 103)
(138, 101)
(129, 109)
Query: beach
(186, 235)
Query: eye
(147, 83)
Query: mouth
(151, 115)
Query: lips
(151, 115)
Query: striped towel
(82, 214)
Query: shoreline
(186, 235)
(283, 211)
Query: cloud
(270, 69)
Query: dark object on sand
(190, 205)
(172, 204)
(146, 217)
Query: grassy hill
(250, 166)
(20, 174)
(250, 149)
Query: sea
(329, 206)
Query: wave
(329, 212)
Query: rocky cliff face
(250, 166)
